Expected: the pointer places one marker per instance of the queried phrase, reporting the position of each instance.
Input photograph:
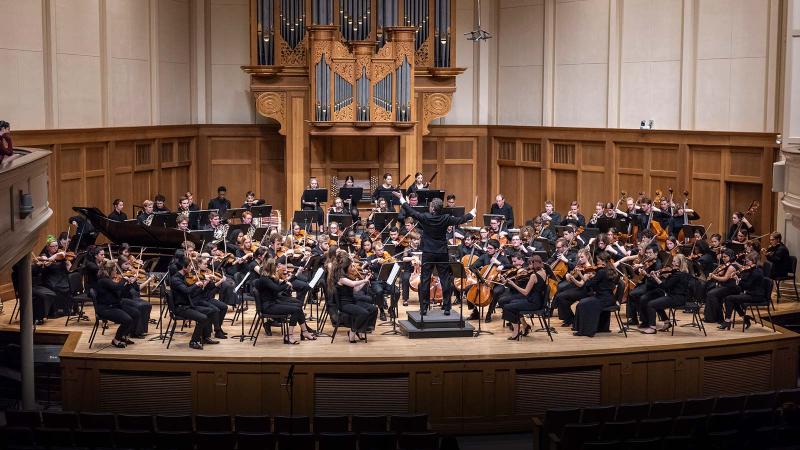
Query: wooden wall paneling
(272, 175)
(566, 182)
(706, 194)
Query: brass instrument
(149, 219)
(220, 233)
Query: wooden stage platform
(478, 384)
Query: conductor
(434, 248)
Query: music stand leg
(480, 329)
(393, 311)
(240, 312)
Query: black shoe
(566, 325)
(633, 322)
(40, 322)
(423, 312)
(488, 318)
(446, 312)
(138, 336)
(221, 335)
(382, 316)
(475, 315)
(405, 302)
(527, 330)
(514, 337)
(118, 344)
(724, 326)
(195, 345)
(209, 341)
(747, 320)
(392, 315)
(128, 341)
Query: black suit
(434, 252)
(118, 216)
(506, 211)
(182, 295)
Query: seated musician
(247, 219)
(406, 259)
(667, 209)
(362, 314)
(394, 237)
(574, 216)
(298, 280)
(333, 233)
(131, 297)
(184, 296)
(337, 207)
(468, 246)
(53, 268)
(110, 305)
(215, 224)
(225, 288)
(572, 289)
(220, 202)
(517, 246)
(601, 284)
(413, 200)
(739, 222)
(454, 235)
(276, 300)
(599, 211)
(615, 247)
(250, 200)
(675, 285)
(677, 221)
(374, 259)
(646, 287)
(550, 218)
(603, 244)
(349, 243)
(741, 237)
(206, 296)
(313, 183)
(494, 257)
(705, 253)
(778, 255)
(751, 246)
(43, 299)
(500, 207)
(483, 238)
(720, 284)
(371, 233)
(383, 188)
(750, 286)
(184, 206)
(409, 226)
(190, 197)
(574, 239)
(85, 233)
(450, 201)
(382, 207)
(160, 204)
(541, 231)
(643, 218)
(117, 214)
(145, 215)
(526, 293)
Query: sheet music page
(393, 274)
(316, 278)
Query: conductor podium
(435, 325)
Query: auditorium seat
(215, 440)
(761, 400)
(17, 436)
(60, 419)
(296, 441)
(598, 414)
(632, 411)
(573, 435)
(174, 423)
(212, 423)
(618, 431)
(252, 424)
(695, 406)
(553, 422)
(330, 424)
(729, 403)
(377, 440)
(689, 425)
(719, 422)
(94, 437)
(418, 441)
(662, 409)
(53, 437)
(134, 438)
(135, 422)
(789, 396)
(408, 422)
(293, 424)
(30, 419)
(174, 440)
(601, 445)
(364, 423)
(255, 441)
(336, 441)
(653, 428)
(758, 418)
(97, 421)
(641, 444)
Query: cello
(658, 231)
(480, 294)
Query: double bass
(436, 294)
(659, 232)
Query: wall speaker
(778, 176)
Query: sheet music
(242, 283)
(393, 274)
(316, 278)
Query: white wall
(687, 64)
(104, 63)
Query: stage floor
(398, 348)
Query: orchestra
(565, 262)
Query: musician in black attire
(160, 204)
(405, 259)
(750, 282)
(527, 298)
(380, 191)
(43, 299)
(675, 292)
(146, 212)
(183, 299)
(54, 271)
(778, 255)
(251, 200)
(739, 222)
(362, 314)
(602, 285)
(220, 202)
(434, 248)
(550, 216)
(206, 298)
(572, 289)
(131, 298)
(299, 280)
(720, 284)
(500, 207)
(574, 216)
(117, 214)
(110, 305)
(646, 290)
(276, 300)
(468, 247)
(413, 201)
(492, 256)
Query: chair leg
(172, 332)
(771, 321)
(257, 330)
(700, 322)
(164, 336)
(13, 311)
(778, 289)
(620, 324)
(333, 335)
(672, 319)
(796, 295)
(93, 334)
(546, 327)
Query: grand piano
(140, 235)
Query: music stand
(689, 230)
(388, 195)
(165, 220)
(232, 230)
(426, 195)
(589, 233)
(548, 246)
(344, 220)
(305, 217)
(261, 211)
(234, 213)
(605, 223)
(381, 219)
(458, 270)
(315, 196)
(487, 219)
(456, 211)
(384, 274)
(202, 236)
(353, 195)
(199, 218)
(258, 236)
